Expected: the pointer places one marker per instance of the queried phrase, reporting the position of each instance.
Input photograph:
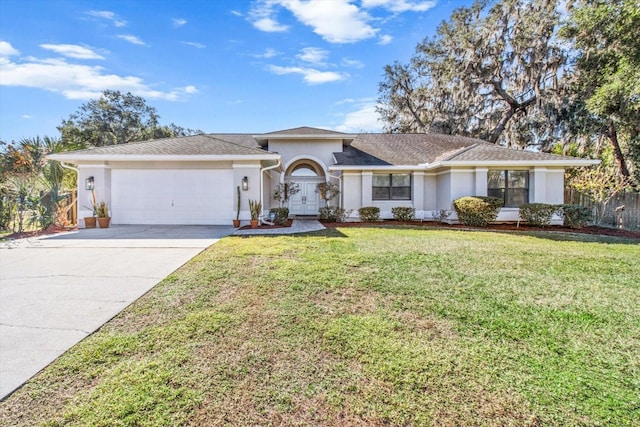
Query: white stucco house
(193, 179)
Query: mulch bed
(53, 229)
(593, 230)
(266, 227)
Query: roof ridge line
(460, 151)
(210, 136)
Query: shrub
(280, 215)
(440, 215)
(538, 214)
(575, 216)
(333, 213)
(477, 211)
(369, 213)
(401, 213)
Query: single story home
(193, 179)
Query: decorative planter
(90, 222)
(254, 223)
(236, 223)
(104, 222)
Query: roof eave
(506, 163)
(160, 157)
(375, 167)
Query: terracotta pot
(104, 222)
(236, 223)
(90, 222)
(254, 223)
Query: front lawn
(365, 326)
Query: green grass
(365, 326)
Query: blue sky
(217, 65)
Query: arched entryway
(307, 174)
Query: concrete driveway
(56, 290)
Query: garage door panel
(174, 196)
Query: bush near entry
(477, 211)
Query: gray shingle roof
(488, 152)
(183, 146)
(305, 130)
(403, 149)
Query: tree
(606, 80)
(117, 118)
(490, 72)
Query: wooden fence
(630, 215)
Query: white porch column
(538, 185)
(418, 192)
(481, 181)
(367, 185)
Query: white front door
(306, 201)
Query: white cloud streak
(399, 6)
(195, 44)
(311, 76)
(7, 50)
(364, 118)
(178, 22)
(73, 51)
(76, 81)
(313, 55)
(131, 39)
(107, 15)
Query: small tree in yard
(600, 184)
(284, 191)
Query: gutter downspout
(268, 168)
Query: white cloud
(195, 44)
(313, 55)
(7, 50)
(385, 39)
(109, 16)
(399, 6)
(269, 25)
(268, 53)
(27, 116)
(73, 51)
(364, 119)
(311, 76)
(336, 21)
(235, 12)
(178, 22)
(353, 63)
(77, 81)
(131, 39)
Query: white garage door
(171, 196)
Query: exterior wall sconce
(89, 183)
(245, 183)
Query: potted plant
(236, 222)
(90, 221)
(102, 211)
(255, 207)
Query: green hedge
(333, 213)
(369, 213)
(402, 213)
(538, 214)
(477, 211)
(575, 216)
(281, 215)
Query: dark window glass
(510, 186)
(391, 187)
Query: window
(392, 187)
(510, 186)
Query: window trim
(390, 187)
(506, 188)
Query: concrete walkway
(56, 290)
(297, 226)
